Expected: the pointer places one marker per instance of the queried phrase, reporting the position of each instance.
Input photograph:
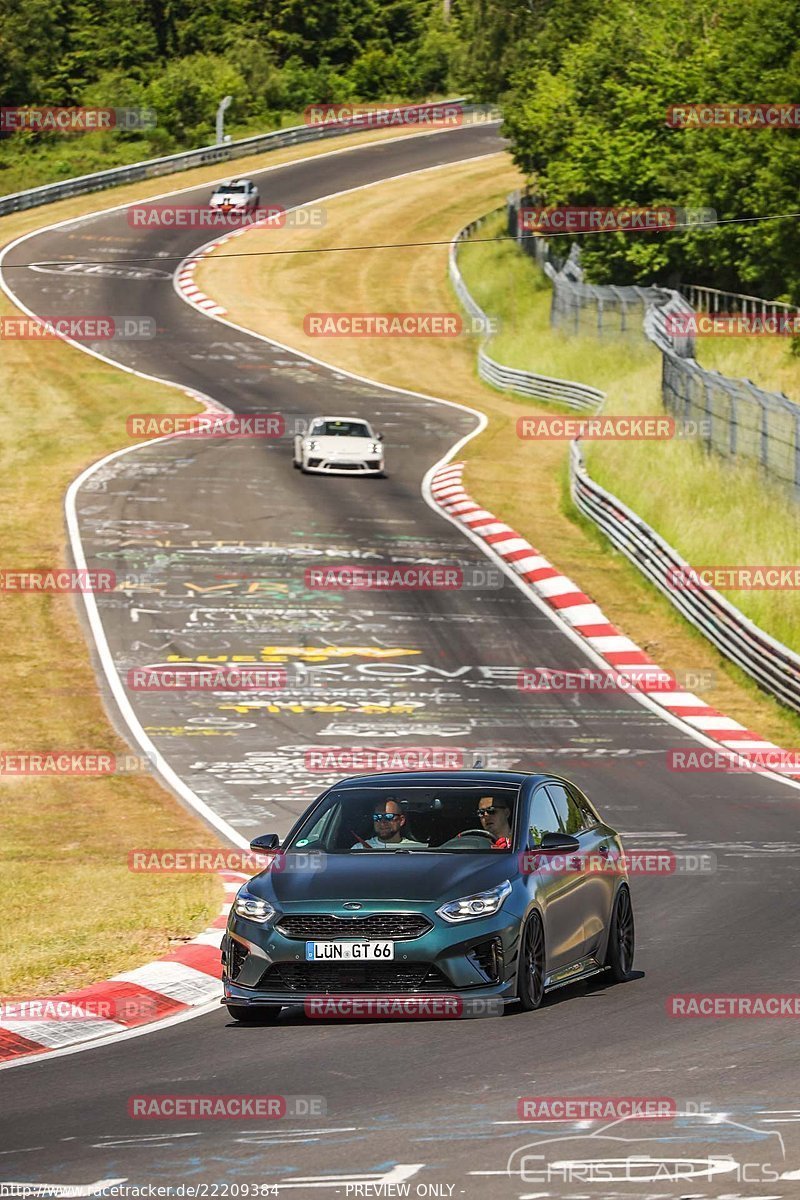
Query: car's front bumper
(477, 959)
(332, 467)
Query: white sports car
(339, 446)
(238, 195)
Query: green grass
(766, 361)
(33, 164)
(711, 510)
(509, 284)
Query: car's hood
(224, 198)
(343, 447)
(385, 875)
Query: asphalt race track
(213, 538)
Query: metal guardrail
(513, 379)
(774, 666)
(209, 155)
(712, 300)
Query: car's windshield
(457, 818)
(234, 187)
(340, 429)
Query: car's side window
(589, 818)
(569, 814)
(541, 818)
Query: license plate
(350, 951)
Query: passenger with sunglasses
(494, 815)
(389, 822)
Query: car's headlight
(252, 907)
(482, 904)
(310, 444)
(376, 448)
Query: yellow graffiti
(278, 654)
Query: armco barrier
(208, 155)
(774, 666)
(513, 379)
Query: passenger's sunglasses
(488, 812)
(386, 816)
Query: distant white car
(236, 196)
(339, 446)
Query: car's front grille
(344, 466)
(392, 927)
(335, 979)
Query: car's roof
(477, 777)
(229, 183)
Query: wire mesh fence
(734, 418)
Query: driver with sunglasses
(389, 822)
(494, 815)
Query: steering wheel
(453, 841)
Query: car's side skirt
(581, 969)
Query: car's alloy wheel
(621, 938)
(261, 1014)
(531, 964)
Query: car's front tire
(621, 938)
(531, 970)
(262, 1014)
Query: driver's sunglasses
(386, 816)
(488, 812)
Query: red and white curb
(586, 619)
(185, 978)
(189, 289)
(185, 282)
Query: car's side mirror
(379, 436)
(267, 841)
(558, 843)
